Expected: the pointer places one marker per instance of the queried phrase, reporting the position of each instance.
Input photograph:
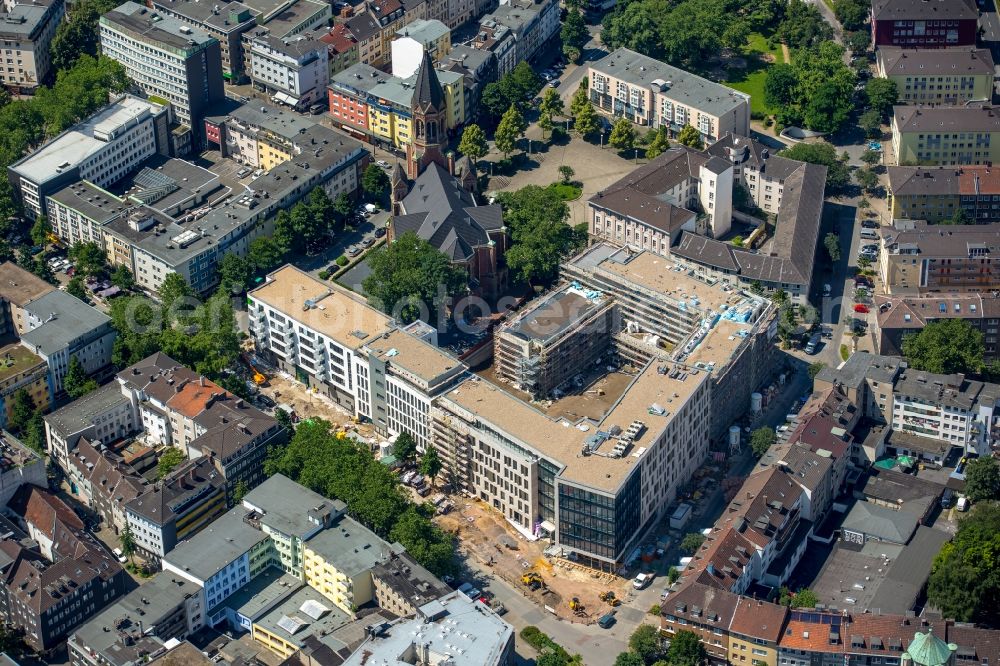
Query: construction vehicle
(258, 377)
(578, 609)
(610, 598)
(532, 580)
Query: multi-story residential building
(20, 467)
(924, 24)
(18, 287)
(61, 327)
(916, 258)
(381, 108)
(102, 416)
(102, 149)
(499, 40)
(342, 48)
(62, 580)
(402, 586)
(942, 76)
(167, 59)
(652, 93)
(945, 135)
(477, 634)
(22, 370)
(27, 29)
(548, 342)
(708, 325)
(654, 209)
(139, 624)
(442, 209)
(531, 22)
(191, 497)
(760, 537)
(104, 482)
(479, 69)
(357, 358)
(900, 316)
(578, 480)
(944, 194)
(294, 71)
(412, 40)
(373, 26)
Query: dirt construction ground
(482, 531)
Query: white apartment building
(26, 31)
(652, 93)
(103, 415)
(294, 70)
(102, 149)
(411, 42)
(166, 58)
(350, 352)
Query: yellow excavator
(610, 598)
(577, 607)
(532, 580)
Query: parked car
(382, 164)
(963, 504)
(471, 591)
(380, 232)
(826, 290)
(813, 343)
(117, 552)
(861, 307)
(642, 580)
(869, 224)
(353, 251)
(947, 498)
(424, 491)
(318, 108)
(368, 242)
(266, 401)
(607, 620)
(554, 83)
(243, 173)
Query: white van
(869, 234)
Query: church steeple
(429, 121)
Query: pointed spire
(428, 93)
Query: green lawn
(751, 81)
(567, 191)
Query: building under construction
(557, 338)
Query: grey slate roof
(880, 522)
(699, 93)
(78, 415)
(945, 119)
(958, 61)
(427, 93)
(213, 548)
(911, 10)
(165, 31)
(444, 214)
(286, 505)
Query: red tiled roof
(340, 38)
(759, 619)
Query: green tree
(566, 173)
(473, 144)
(690, 137)
(645, 642)
(832, 243)
(838, 176)
(540, 236)
(691, 542)
(629, 659)
(342, 207)
(673, 574)
(169, 459)
(858, 40)
(851, 13)
(427, 543)
(40, 230)
(127, 540)
(965, 579)
(871, 157)
(405, 448)
(982, 479)
(430, 464)
(882, 94)
(622, 134)
(685, 647)
(21, 411)
(870, 123)
(174, 288)
(34, 433)
(550, 107)
(406, 276)
(804, 598)
(76, 288)
(510, 129)
(78, 34)
(961, 216)
(89, 258)
(761, 440)
(864, 263)
(375, 183)
(574, 30)
(803, 26)
(122, 278)
(659, 143)
(77, 383)
(234, 273)
(240, 491)
(264, 254)
(945, 346)
(585, 120)
(779, 86)
(866, 179)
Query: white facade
(297, 68)
(27, 30)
